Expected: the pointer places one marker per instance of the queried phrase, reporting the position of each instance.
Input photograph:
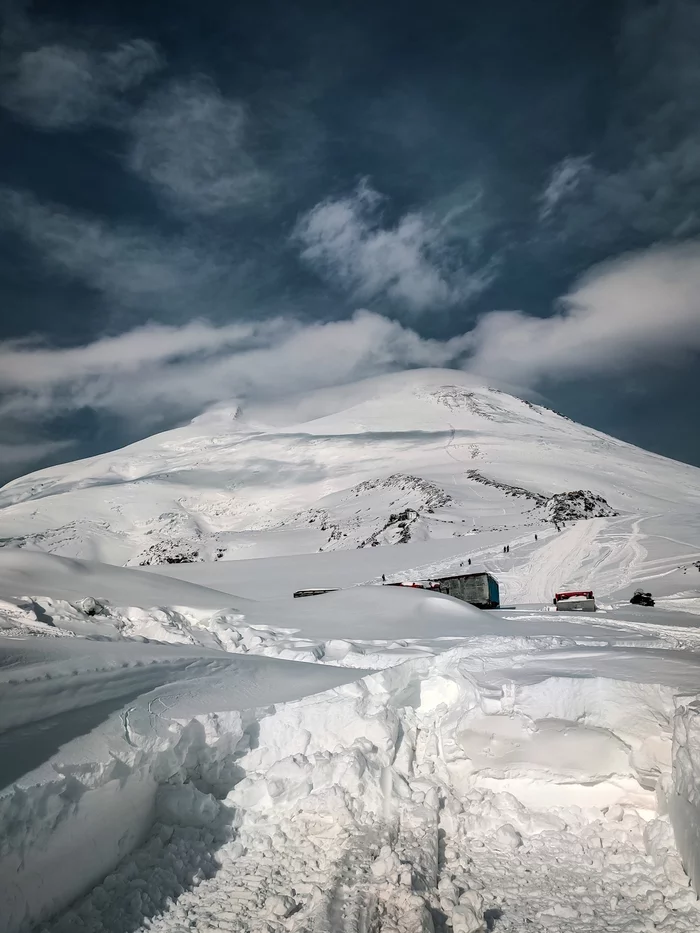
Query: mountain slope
(412, 456)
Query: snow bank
(25, 572)
(683, 792)
(327, 808)
(341, 801)
(255, 791)
(109, 742)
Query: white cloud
(192, 144)
(155, 371)
(410, 263)
(58, 86)
(24, 364)
(641, 310)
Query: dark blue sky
(196, 199)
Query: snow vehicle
(641, 598)
(575, 601)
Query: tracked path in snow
(558, 564)
(605, 554)
(448, 862)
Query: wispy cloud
(16, 455)
(643, 183)
(28, 363)
(131, 267)
(58, 86)
(192, 143)
(410, 262)
(563, 181)
(640, 310)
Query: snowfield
(183, 746)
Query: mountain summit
(412, 456)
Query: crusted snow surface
(413, 800)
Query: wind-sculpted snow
(412, 798)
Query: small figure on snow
(535, 537)
(383, 578)
(469, 561)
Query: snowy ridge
(357, 518)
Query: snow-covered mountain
(187, 746)
(413, 456)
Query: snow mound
(24, 572)
(105, 727)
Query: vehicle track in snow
(556, 564)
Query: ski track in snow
(556, 565)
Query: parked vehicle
(575, 601)
(642, 599)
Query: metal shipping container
(479, 589)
